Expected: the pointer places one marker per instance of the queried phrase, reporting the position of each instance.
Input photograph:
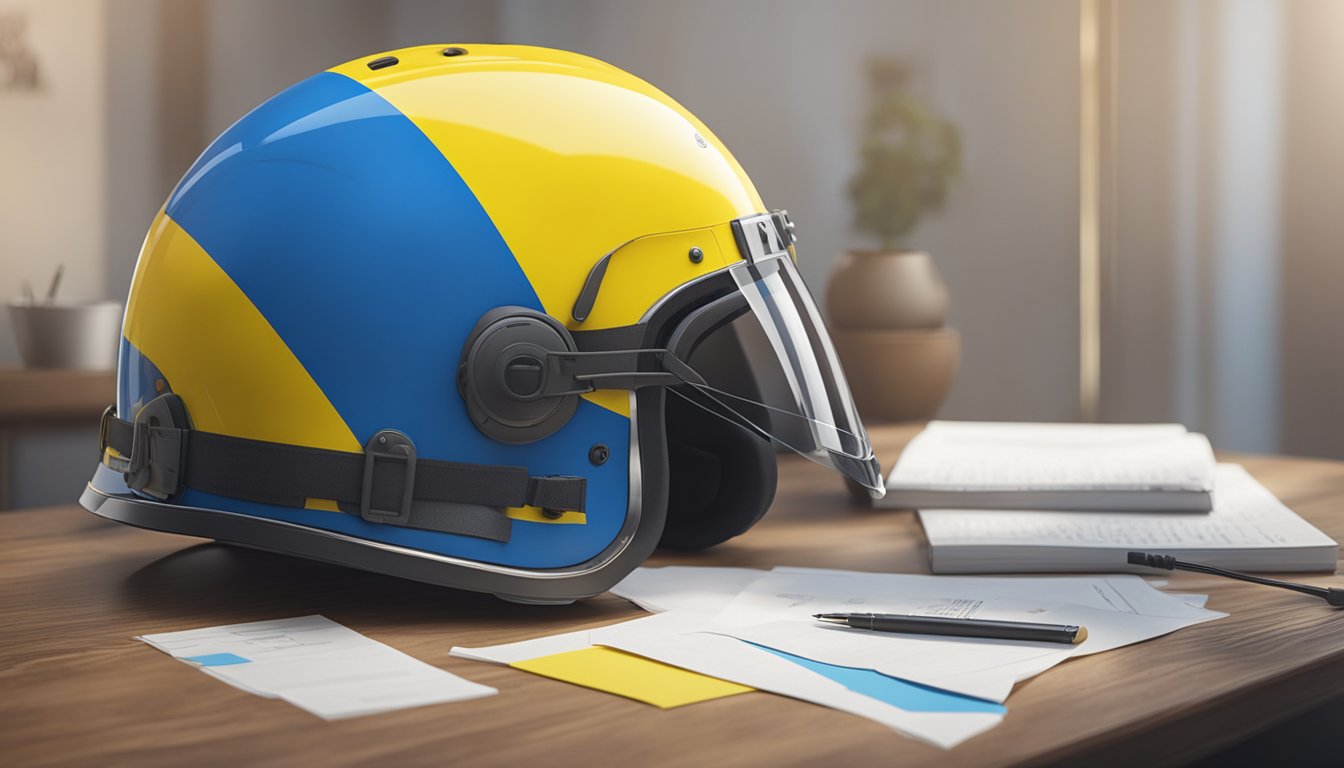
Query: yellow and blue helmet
(494, 317)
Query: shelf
(54, 397)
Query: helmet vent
(383, 62)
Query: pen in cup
(1066, 634)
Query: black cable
(1331, 595)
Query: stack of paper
(1248, 529)
(983, 465)
(934, 716)
(755, 628)
(316, 664)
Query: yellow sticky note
(631, 676)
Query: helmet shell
(313, 277)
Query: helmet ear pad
(503, 372)
(721, 477)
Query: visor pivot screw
(696, 255)
(599, 454)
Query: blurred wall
(782, 83)
(1226, 246)
(53, 160)
(1195, 245)
(1222, 256)
(1312, 289)
(53, 166)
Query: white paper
(775, 610)
(727, 658)
(1245, 516)
(693, 642)
(1197, 601)
(685, 588)
(318, 665)
(1097, 591)
(950, 455)
(706, 614)
(509, 653)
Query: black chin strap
(385, 484)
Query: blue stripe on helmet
(373, 260)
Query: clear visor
(767, 363)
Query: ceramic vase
(886, 291)
(887, 313)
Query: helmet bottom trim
(314, 544)
(562, 585)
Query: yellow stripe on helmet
(573, 158)
(218, 353)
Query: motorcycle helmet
(494, 317)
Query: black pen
(1067, 634)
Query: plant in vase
(888, 306)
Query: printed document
(754, 628)
(775, 610)
(1248, 529)
(675, 639)
(315, 664)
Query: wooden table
(74, 687)
(49, 396)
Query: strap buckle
(391, 446)
(157, 456)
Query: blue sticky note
(217, 659)
(909, 696)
